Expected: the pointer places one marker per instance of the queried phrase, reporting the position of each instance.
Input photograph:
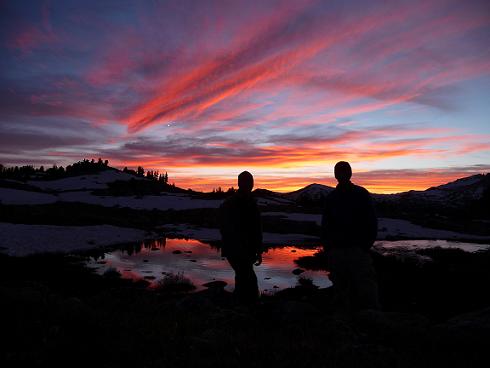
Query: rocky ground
(55, 311)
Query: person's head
(245, 181)
(343, 172)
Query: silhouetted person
(241, 234)
(349, 229)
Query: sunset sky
(284, 89)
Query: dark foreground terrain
(57, 312)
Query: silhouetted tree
(217, 190)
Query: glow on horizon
(382, 182)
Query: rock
(177, 251)
(145, 260)
(149, 277)
(218, 284)
(192, 260)
(298, 271)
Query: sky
(283, 89)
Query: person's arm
(221, 219)
(225, 222)
(372, 221)
(324, 235)
(258, 234)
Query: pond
(202, 263)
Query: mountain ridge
(476, 183)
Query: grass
(174, 283)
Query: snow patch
(272, 201)
(313, 191)
(460, 183)
(165, 201)
(411, 245)
(208, 234)
(316, 218)
(22, 240)
(161, 202)
(84, 182)
(388, 227)
(16, 196)
(407, 250)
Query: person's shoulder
(331, 198)
(229, 202)
(361, 190)
(331, 194)
(238, 199)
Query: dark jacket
(240, 226)
(349, 219)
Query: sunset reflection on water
(202, 263)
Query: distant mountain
(456, 193)
(452, 194)
(313, 193)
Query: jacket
(349, 218)
(240, 226)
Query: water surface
(202, 263)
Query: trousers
(246, 286)
(353, 277)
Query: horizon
(283, 89)
(326, 181)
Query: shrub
(175, 283)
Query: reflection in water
(202, 263)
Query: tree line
(83, 167)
